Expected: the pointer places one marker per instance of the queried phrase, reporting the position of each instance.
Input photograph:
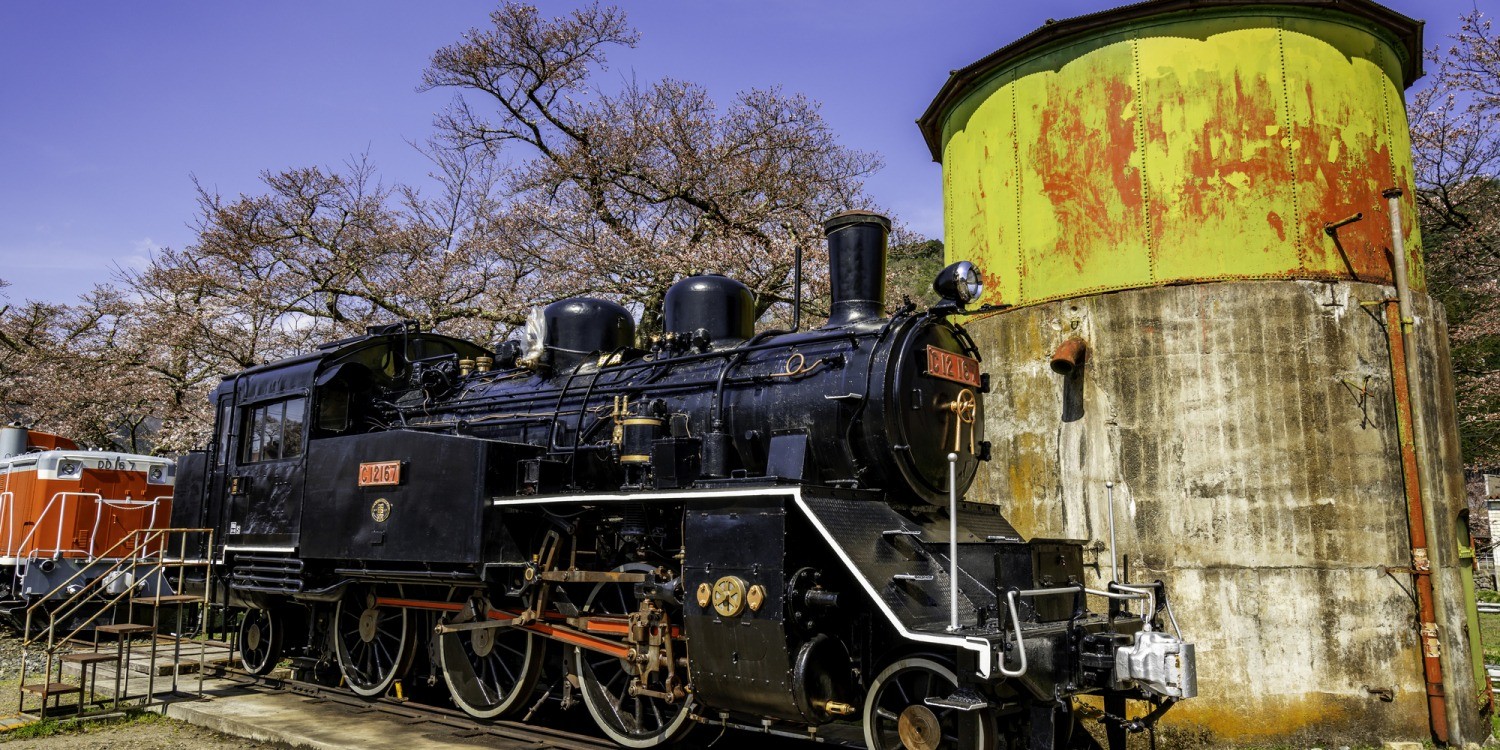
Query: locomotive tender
(758, 530)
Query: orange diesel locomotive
(62, 508)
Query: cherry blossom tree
(1456, 144)
(630, 189)
(543, 185)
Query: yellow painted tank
(1174, 142)
(1158, 181)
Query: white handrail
(123, 504)
(1141, 592)
(8, 503)
(61, 517)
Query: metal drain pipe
(1406, 379)
(1114, 568)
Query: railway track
(413, 713)
(724, 736)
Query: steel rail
(413, 713)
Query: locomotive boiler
(722, 526)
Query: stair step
(168, 599)
(87, 657)
(51, 688)
(9, 721)
(124, 629)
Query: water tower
(1200, 196)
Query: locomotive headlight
(67, 468)
(960, 283)
(156, 474)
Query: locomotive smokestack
(856, 265)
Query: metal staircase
(138, 571)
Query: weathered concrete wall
(1250, 430)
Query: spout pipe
(1069, 356)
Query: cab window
(226, 410)
(273, 431)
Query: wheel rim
(372, 643)
(897, 717)
(632, 721)
(490, 672)
(259, 641)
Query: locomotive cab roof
(384, 350)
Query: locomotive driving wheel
(373, 643)
(633, 720)
(259, 641)
(897, 716)
(490, 671)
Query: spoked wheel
(259, 641)
(373, 643)
(897, 716)
(491, 671)
(631, 720)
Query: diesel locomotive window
(274, 431)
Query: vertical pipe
(953, 541)
(1406, 380)
(1114, 568)
(797, 289)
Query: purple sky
(108, 109)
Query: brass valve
(964, 406)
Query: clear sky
(109, 109)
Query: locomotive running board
(850, 527)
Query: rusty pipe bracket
(1332, 228)
(1420, 561)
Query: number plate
(944, 364)
(380, 473)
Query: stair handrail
(137, 556)
(84, 569)
(72, 604)
(69, 605)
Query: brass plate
(756, 597)
(379, 473)
(705, 594)
(947, 365)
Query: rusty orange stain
(1169, 155)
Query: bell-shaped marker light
(960, 283)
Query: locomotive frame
(746, 529)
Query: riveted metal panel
(1189, 147)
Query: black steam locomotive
(758, 530)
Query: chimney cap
(847, 218)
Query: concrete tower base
(1250, 432)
